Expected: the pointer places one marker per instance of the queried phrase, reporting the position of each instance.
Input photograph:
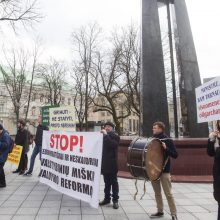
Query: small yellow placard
(15, 156)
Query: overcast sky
(61, 17)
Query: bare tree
(110, 96)
(19, 11)
(53, 79)
(18, 77)
(127, 40)
(85, 41)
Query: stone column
(189, 71)
(153, 86)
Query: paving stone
(75, 203)
(195, 208)
(51, 204)
(8, 211)
(206, 216)
(70, 211)
(138, 217)
(24, 217)
(109, 210)
(48, 211)
(47, 217)
(93, 217)
(5, 217)
(91, 211)
(31, 204)
(115, 217)
(27, 211)
(133, 210)
(70, 217)
(12, 203)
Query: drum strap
(144, 189)
(135, 195)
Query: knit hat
(110, 124)
(1, 127)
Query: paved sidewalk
(25, 198)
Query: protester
(165, 179)
(4, 150)
(22, 139)
(213, 150)
(109, 164)
(38, 145)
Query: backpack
(11, 146)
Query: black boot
(2, 185)
(115, 205)
(16, 171)
(104, 202)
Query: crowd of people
(109, 168)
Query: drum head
(154, 159)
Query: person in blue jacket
(165, 179)
(5, 141)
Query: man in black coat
(21, 139)
(110, 165)
(165, 179)
(38, 145)
(213, 150)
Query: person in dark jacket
(165, 179)
(5, 141)
(21, 139)
(213, 150)
(110, 165)
(38, 145)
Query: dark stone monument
(153, 87)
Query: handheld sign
(62, 118)
(208, 101)
(71, 163)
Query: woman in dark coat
(213, 150)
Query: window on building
(33, 111)
(33, 96)
(130, 125)
(137, 126)
(1, 107)
(108, 114)
(103, 114)
(25, 109)
(41, 98)
(63, 100)
(48, 99)
(69, 101)
(134, 127)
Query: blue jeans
(36, 151)
(111, 181)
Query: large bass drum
(146, 158)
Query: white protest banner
(62, 118)
(208, 101)
(71, 163)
